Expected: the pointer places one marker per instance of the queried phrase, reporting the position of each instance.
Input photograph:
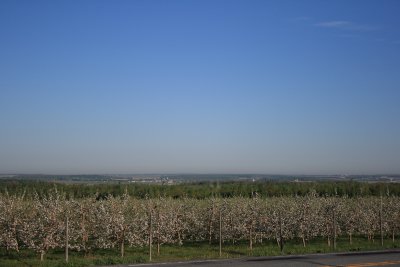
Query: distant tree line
(202, 190)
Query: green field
(201, 190)
(189, 251)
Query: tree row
(86, 224)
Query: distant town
(189, 178)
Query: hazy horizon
(281, 87)
(204, 174)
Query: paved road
(367, 259)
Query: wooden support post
(220, 232)
(66, 238)
(150, 234)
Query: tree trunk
(351, 238)
(328, 232)
(85, 249)
(41, 255)
(180, 238)
(304, 241)
(393, 235)
(122, 247)
(16, 235)
(251, 238)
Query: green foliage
(201, 190)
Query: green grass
(189, 251)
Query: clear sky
(289, 87)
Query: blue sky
(288, 87)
